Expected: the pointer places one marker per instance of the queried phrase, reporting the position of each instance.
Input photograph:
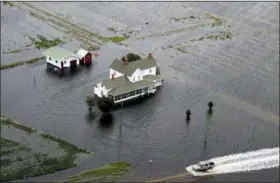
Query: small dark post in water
(188, 113)
(34, 77)
(210, 105)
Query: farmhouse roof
(130, 68)
(117, 82)
(82, 52)
(58, 53)
(130, 87)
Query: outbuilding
(85, 56)
(60, 58)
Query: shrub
(131, 57)
(105, 104)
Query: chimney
(113, 75)
(150, 55)
(125, 61)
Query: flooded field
(227, 52)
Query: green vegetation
(107, 173)
(7, 143)
(90, 101)
(12, 123)
(14, 51)
(177, 19)
(34, 163)
(112, 29)
(8, 3)
(42, 165)
(43, 42)
(68, 147)
(78, 32)
(131, 57)
(182, 50)
(18, 63)
(92, 48)
(115, 39)
(105, 104)
(223, 36)
(216, 20)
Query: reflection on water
(106, 120)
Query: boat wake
(242, 162)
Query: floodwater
(240, 76)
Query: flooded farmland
(227, 52)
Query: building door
(73, 63)
(61, 64)
(88, 58)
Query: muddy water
(240, 75)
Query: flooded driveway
(240, 75)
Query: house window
(132, 93)
(150, 70)
(101, 85)
(55, 61)
(50, 58)
(65, 62)
(118, 97)
(133, 79)
(138, 91)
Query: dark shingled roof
(129, 69)
(130, 87)
(114, 83)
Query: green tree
(131, 57)
(90, 101)
(105, 104)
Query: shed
(85, 56)
(60, 57)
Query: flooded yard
(226, 52)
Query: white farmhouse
(130, 80)
(61, 58)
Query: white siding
(147, 71)
(53, 61)
(99, 89)
(118, 74)
(66, 61)
(136, 76)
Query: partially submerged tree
(188, 113)
(90, 101)
(210, 105)
(131, 57)
(105, 104)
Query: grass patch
(9, 122)
(35, 164)
(14, 51)
(70, 148)
(217, 21)
(112, 29)
(223, 36)
(8, 3)
(93, 47)
(12, 150)
(42, 165)
(112, 171)
(115, 39)
(7, 143)
(182, 50)
(177, 19)
(43, 42)
(18, 63)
